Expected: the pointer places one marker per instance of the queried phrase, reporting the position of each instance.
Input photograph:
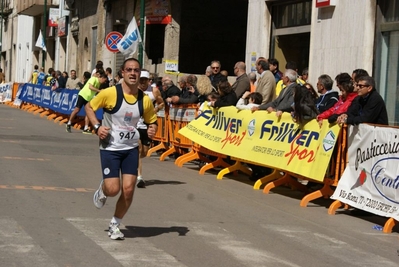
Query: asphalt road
(47, 217)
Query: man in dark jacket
(169, 89)
(368, 107)
(189, 93)
(216, 76)
(328, 97)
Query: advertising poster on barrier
(6, 92)
(61, 100)
(263, 138)
(17, 100)
(370, 181)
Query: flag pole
(44, 31)
(142, 23)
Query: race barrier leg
(192, 155)
(237, 166)
(45, 113)
(167, 153)
(40, 110)
(267, 179)
(160, 146)
(389, 225)
(336, 205)
(287, 179)
(214, 164)
(325, 192)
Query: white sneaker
(99, 198)
(114, 233)
(140, 182)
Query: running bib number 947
(127, 135)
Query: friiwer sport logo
(329, 141)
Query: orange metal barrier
(198, 152)
(179, 117)
(281, 177)
(161, 135)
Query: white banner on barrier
(6, 92)
(371, 179)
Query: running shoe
(140, 182)
(99, 198)
(87, 131)
(114, 232)
(68, 128)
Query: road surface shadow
(145, 231)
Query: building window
(386, 67)
(389, 9)
(290, 33)
(292, 14)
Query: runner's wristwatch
(96, 127)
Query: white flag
(40, 41)
(129, 43)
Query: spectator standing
(242, 83)
(328, 97)
(304, 105)
(208, 71)
(266, 85)
(312, 91)
(41, 77)
(305, 75)
(65, 75)
(111, 81)
(290, 65)
(119, 146)
(2, 76)
(252, 80)
(169, 89)
(345, 85)
(60, 79)
(227, 96)
(204, 88)
(99, 66)
(216, 76)
(357, 73)
(118, 77)
(368, 107)
(284, 101)
(53, 81)
(73, 81)
(50, 77)
(189, 93)
(274, 68)
(35, 74)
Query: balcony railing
(33, 7)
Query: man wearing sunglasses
(216, 76)
(368, 107)
(123, 106)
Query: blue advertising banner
(61, 100)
